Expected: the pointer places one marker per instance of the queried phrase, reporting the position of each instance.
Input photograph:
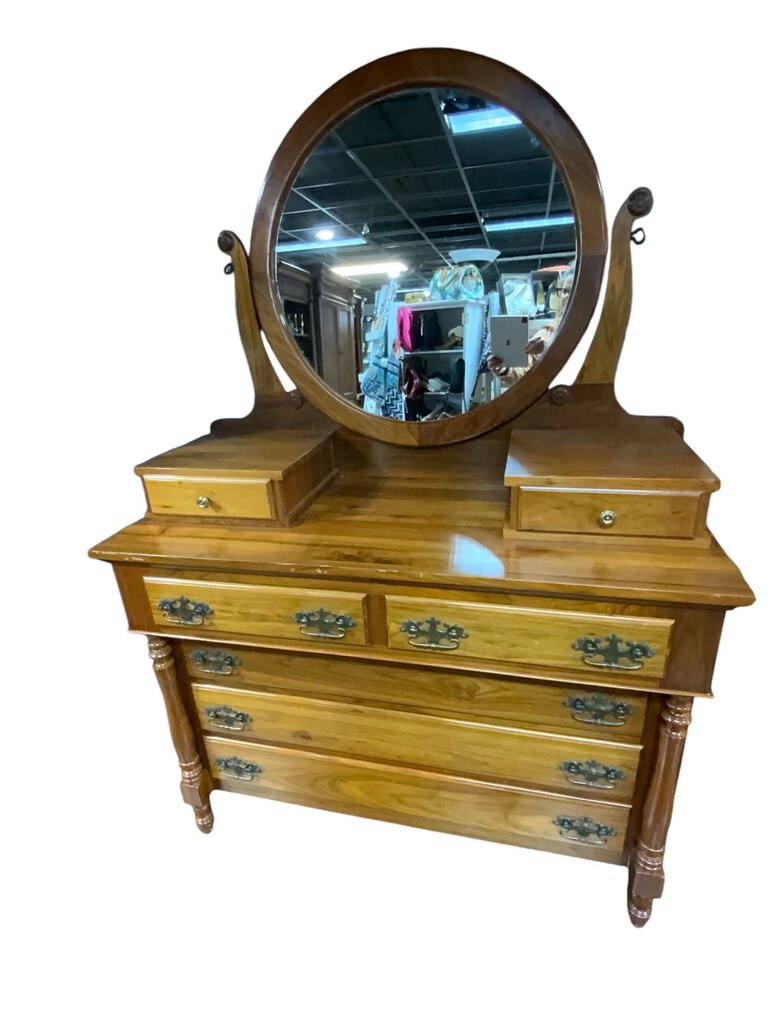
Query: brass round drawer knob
(203, 502)
(606, 517)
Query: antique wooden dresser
(492, 623)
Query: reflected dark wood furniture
(328, 314)
(500, 636)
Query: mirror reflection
(426, 254)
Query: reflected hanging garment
(405, 328)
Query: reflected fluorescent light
(325, 235)
(368, 269)
(336, 243)
(471, 558)
(529, 224)
(483, 120)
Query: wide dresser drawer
(284, 613)
(446, 744)
(488, 810)
(538, 637)
(583, 712)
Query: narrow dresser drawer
(566, 824)
(450, 745)
(615, 512)
(208, 496)
(315, 616)
(530, 636)
(599, 714)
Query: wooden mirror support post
(496, 627)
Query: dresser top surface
(353, 533)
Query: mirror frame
(542, 115)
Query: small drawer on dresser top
(273, 612)
(208, 496)
(541, 637)
(488, 810)
(601, 715)
(448, 745)
(615, 512)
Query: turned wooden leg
(195, 780)
(646, 868)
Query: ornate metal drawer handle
(599, 710)
(584, 830)
(325, 624)
(214, 663)
(184, 611)
(236, 768)
(611, 655)
(433, 633)
(225, 717)
(594, 774)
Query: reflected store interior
(426, 254)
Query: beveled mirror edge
(421, 68)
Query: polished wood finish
(494, 535)
(656, 488)
(470, 696)
(525, 636)
(604, 353)
(259, 611)
(272, 476)
(557, 133)
(633, 513)
(208, 496)
(412, 796)
(447, 744)
(646, 869)
(265, 380)
(195, 779)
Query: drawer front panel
(528, 758)
(537, 637)
(316, 616)
(623, 513)
(415, 797)
(208, 496)
(560, 709)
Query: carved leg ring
(195, 780)
(646, 868)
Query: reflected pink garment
(405, 328)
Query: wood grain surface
(467, 695)
(257, 610)
(446, 744)
(418, 797)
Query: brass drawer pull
(591, 773)
(324, 624)
(599, 710)
(607, 517)
(224, 717)
(184, 611)
(214, 663)
(203, 502)
(235, 768)
(611, 655)
(433, 633)
(584, 830)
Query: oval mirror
(425, 246)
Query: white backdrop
(133, 133)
